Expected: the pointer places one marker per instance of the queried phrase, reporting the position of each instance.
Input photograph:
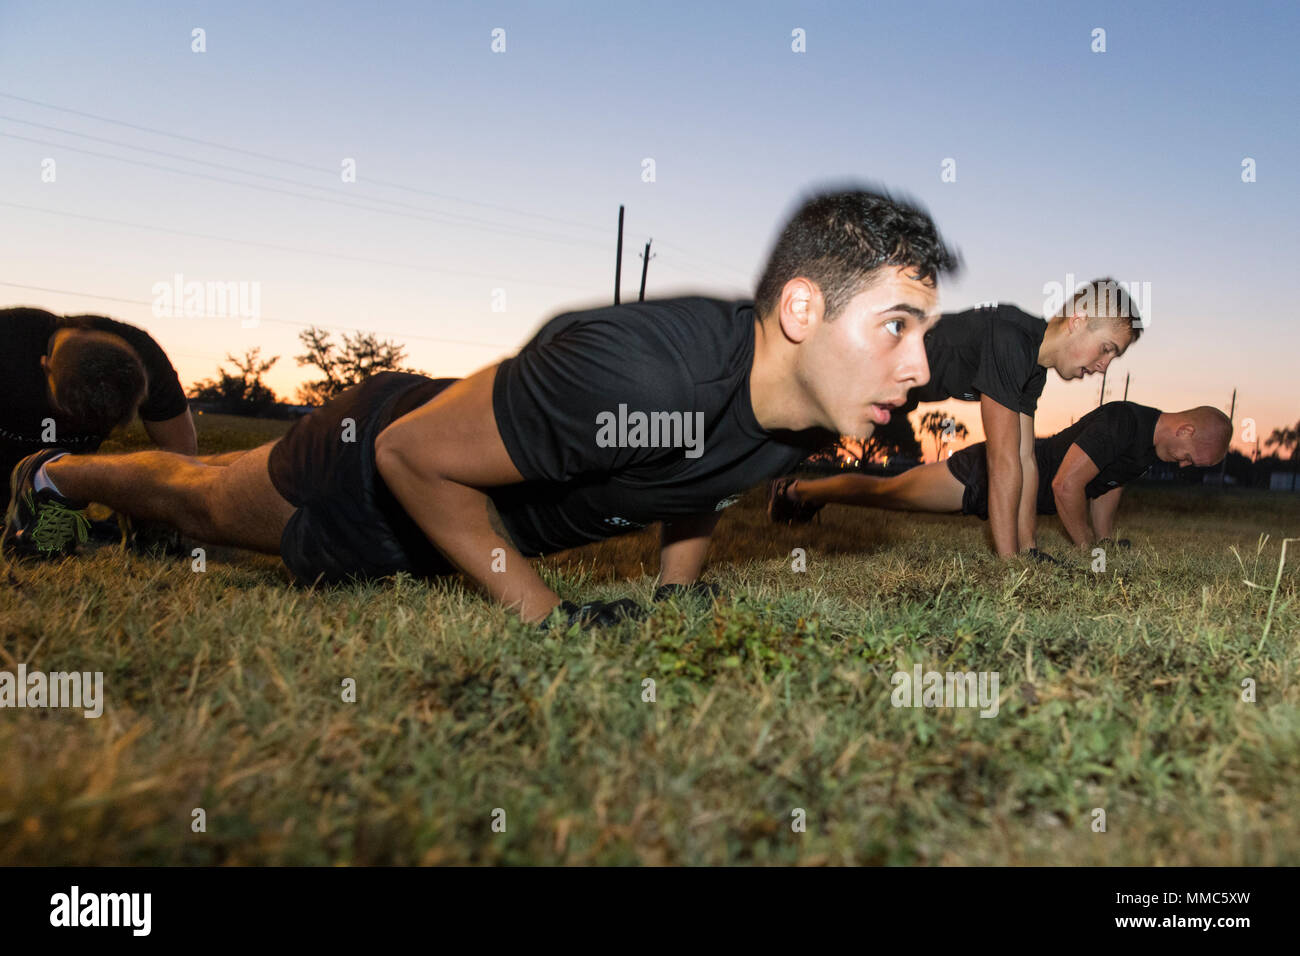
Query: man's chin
(866, 430)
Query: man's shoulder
(690, 308)
(692, 330)
(1107, 429)
(998, 316)
(99, 322)
(1107, 417)
(1143, 419)
(1128, 413)
(23, 318)
(1013, 313)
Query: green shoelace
(57, 525)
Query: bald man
(1082, 471)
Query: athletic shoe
(785, 509)
(41, 523)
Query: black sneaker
(41, 523)
(784, 509)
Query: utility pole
(618, 256)
(1126, 378)
(1102, 397)
(1223, 468)
(645, 265)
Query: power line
(332, 172)
(458, 217)
(301, 165)
(292, 249)
(490, 227)
(325, 199)
(305, 325)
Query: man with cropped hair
(68, 381)
(999, 356)
(550, 449)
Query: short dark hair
(99, 380)
(839, 238)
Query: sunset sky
(480, 171)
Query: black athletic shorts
(971, 468)
(348, 524)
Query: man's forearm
(684, 546)
(1072, 509)
(1004, 505)
(680, 562)
(463, 524)
(174, 434)
(1103, 516)
(1028, 523)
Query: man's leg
(233, 504)
(929, 487)
(226, 457)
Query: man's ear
(800, 309)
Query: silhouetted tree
(240, 394)
(894, 440)
(361, 355)
(936, 424)
(1286, 439)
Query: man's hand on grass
(593, 614)
(1042, 557)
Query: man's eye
(895, 322)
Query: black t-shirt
(991, 351)
(24, 395)
(1119, 437)
(621, 416)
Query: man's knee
(200, 503)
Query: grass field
(1120, 690)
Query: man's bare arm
(684, 545)
(1069, 489)
(175, 434)
(437, 460)
(1028, 517)
(1002, 449)
(1103, 512)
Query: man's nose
(919, 366)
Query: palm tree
(1286, 439)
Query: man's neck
(1051, 343)
(773, 393)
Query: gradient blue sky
(1125, 163)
